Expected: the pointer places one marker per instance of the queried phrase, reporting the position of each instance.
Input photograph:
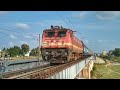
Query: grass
(112, 58)
(103, 72)
(115, 68)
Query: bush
(94, 68)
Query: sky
(99, 30)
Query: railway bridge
(79, 69)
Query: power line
(67, 22)
(63, 19)
(6, 34)
(18, 32)
(73, 25)
(15, 32)
(10, 29)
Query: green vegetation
(14, 51)
(105, 72)
(108, 70)
(19, 51)
(25, 48)
(116, 52)
(113, 55)
(34, 52)
(113, 58)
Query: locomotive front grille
(54, 54)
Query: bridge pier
(85, 72)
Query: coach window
(50, 34)
(61, 34)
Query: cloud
(13, 37)
(79, 15)
(35, 35)
(22, 26)
(23, 42)
(106, 41)
(41, 24)
(11, 44)
(31, 35)
(107, 15)
(100, 41)
(3, 12)
(26, 36)
(98, 26)
(34, 41)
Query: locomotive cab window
(50, 34)
(61, 34)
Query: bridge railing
(72, 71)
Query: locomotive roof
(58, 29)
(61, 28)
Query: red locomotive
(59, 45)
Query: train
(60, 45)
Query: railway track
(43, 73)
(18, 72)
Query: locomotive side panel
(76, 49)
(77, 45)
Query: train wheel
(66, 59)
(50, 64)
(81, 56)
(69, 58)
(76, 56)
(72, 56)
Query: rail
(18, 72)
(44, 73)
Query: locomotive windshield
(50, 34)
(61, 33)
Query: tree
(4, 50)
(34, 52)
(17, 50)
(116, 52)
(25, 48)
(104, 53)
(14, 51)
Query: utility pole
(39, 51)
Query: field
(112, 58)
(105, 71)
